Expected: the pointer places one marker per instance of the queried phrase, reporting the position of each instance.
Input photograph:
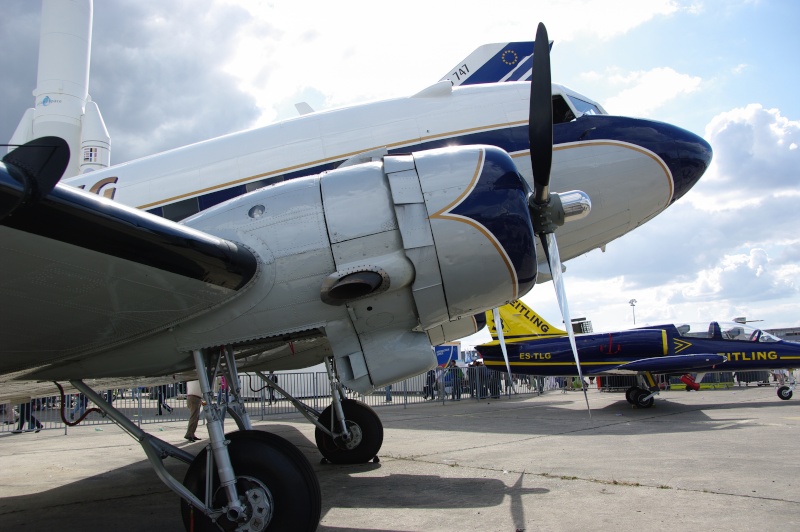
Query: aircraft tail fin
(494, 63)
(520, 321)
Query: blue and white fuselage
(631, 169)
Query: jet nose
(685, 154)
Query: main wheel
(366, 431)
(785, 393)
(273, 479)
(640, 401)
(629, 394)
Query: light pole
(633, 309)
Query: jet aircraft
(535, 347)
(357, 238)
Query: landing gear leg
(235, 407)
(258, 481)
(643, 396)
(786, 392)
(348, 431)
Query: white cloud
(743, 277)
(373, 51)
(755, 152)
(644, 91)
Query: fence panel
(157, 404)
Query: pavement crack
(606, 482)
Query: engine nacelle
(374, 255)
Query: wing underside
(80, 274)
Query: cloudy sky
(170, 73)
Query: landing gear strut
(366, 434)
(348, 431)
(246, 480)
(643, 396)
(280, 487)
(786, 392)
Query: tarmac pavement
(710, 460)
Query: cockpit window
(764, 336)
(725, 331)
(584, 107)
(561, 110)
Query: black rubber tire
(639, 400)
(629, 394)
(275, 462)
(785, 393)
(355, 413)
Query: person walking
(193, 400)
(26, 415)
(161, 392)
(457, 381)
(81, 402)
(273, 378)
(388, 394)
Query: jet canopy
(724, 330)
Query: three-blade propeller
(547, 212)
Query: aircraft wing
(670, 364)
(80, 273)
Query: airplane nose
(685, 154)
(694, 156)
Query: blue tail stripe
(503, 62)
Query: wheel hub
(258, 502)
(348, 444)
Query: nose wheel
(365, 434)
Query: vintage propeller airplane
(362, 267)
(535, 347)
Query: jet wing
(80, 274)
(670, 364)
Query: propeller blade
(554, 261)
(540, 116)
(498, 326)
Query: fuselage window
(181, 209)
(261, 183)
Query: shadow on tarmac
(133, 498)
(549, 418)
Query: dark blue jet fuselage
(661, 350)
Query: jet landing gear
(786, 392)
(643, 396)
(640, 397)
(348, 431)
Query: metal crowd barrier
(141, 404)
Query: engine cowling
(376, 254)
